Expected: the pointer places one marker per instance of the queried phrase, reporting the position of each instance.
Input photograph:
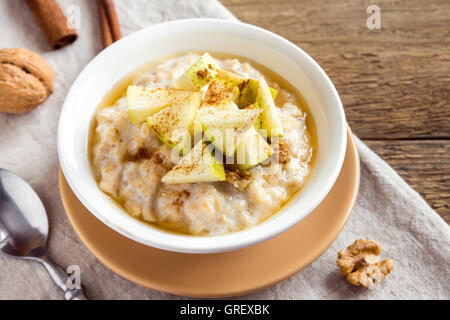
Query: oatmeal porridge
(131, 152)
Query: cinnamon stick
(104, 25)
(53, 22)
(111, 14)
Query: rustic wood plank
(394, 82)
(424, 164)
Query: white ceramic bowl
(240, 39)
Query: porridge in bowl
(202, 146)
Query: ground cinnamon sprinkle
(142, 153)
(216, 93)
(202, 73)
(180, 198)
(157, 157)
(186, 170)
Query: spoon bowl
(23, 220)
(24, 229)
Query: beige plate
(222, 274)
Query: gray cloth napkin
(387, 210)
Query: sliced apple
(227, 105)
(270, 118)
(249, 91)
(252, 149)
(233, 79)
(199, 74)
(143, 102)
(257, 123)
(224, 128)
(219, 96)
(219, 92)
(173, 125)
(199, 165)
(230, 77)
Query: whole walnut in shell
(359, 263)
(26, 80)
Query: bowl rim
(231, 241)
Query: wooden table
(394, 82)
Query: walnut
(26, 80)
(283, 156)
(283, 153)
(359, 263)
(239, 180)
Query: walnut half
(239, 180)
(283, 153)
(359, 263)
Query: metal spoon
(24, 229)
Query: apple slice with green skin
(273, 92)
(224, 128)
(143, 102)
(173, 124)
(199, 74)
(248, 87)
(270, 117)
(199, 165)
(235, 80)
(252, 149)
(249, 92)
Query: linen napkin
(387, 209)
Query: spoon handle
(60, 278)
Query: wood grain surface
(394, 82)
